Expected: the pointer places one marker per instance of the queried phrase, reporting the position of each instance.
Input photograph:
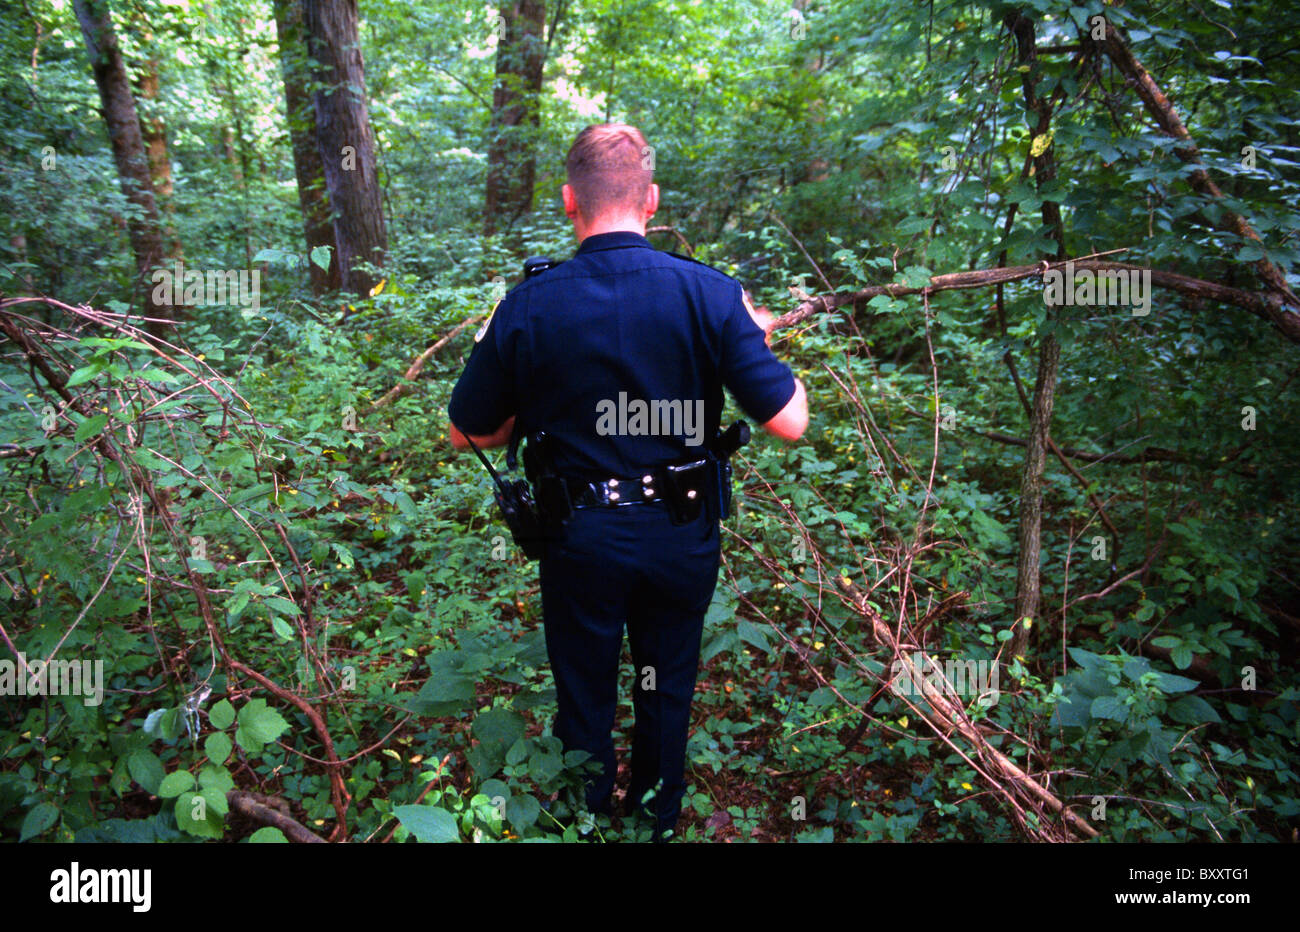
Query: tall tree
(119, 112)
(301, 118)
(346, 142)
(154, 131)
(516, 115)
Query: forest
(1031, 574)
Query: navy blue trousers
(629, 565)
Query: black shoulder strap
(488, 466)
(511, 455)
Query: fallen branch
(412, 371)
(256, 808)
(339, 794)
(945, 717)
(1265, 306)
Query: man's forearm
(497, 438)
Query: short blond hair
(609, 169)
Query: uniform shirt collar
(615, 240)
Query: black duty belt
(685, 487)
(615, 492)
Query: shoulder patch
(482, 331)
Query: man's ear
(570, 201)
(651, 200)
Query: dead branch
(412, 371)
(339, 794)
(259, 809)
(946, 718)
(1265, 306)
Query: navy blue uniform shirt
(620, 354)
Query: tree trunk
(154, 133)
(307, 167)
(1029, 565)
(818, 168)
(1028, 585)
(346, 143)
(512, 166)
(118, 108)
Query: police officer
(620, 355)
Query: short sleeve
(484, 395)
(761, 384)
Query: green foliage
(348, 556)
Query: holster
(689, 485)
(554, 504)
(686, 487)
(724, 445)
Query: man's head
(610, 174)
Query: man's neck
(614, 225)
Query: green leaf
(1193, 710)
(38, 819)
(428, 824)
(268, 835)
(821, 698)
(90, 427)
(496, 730)
(146, 769)
(216, 799)
(216, 778)
(258, 725)
(209, 826)
(753, 634)
(283, 606)
(237, 606)
(320, 256)
(916, 276)
(522, 812)
(85, 374)
(217, 747)
(176, 783)
(156, 375)
(153, 723)
(1109, 707)
(518, 752)
(222, 715)
(281, 628)
(406, 505)
(1175, 684)
(499, 727)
